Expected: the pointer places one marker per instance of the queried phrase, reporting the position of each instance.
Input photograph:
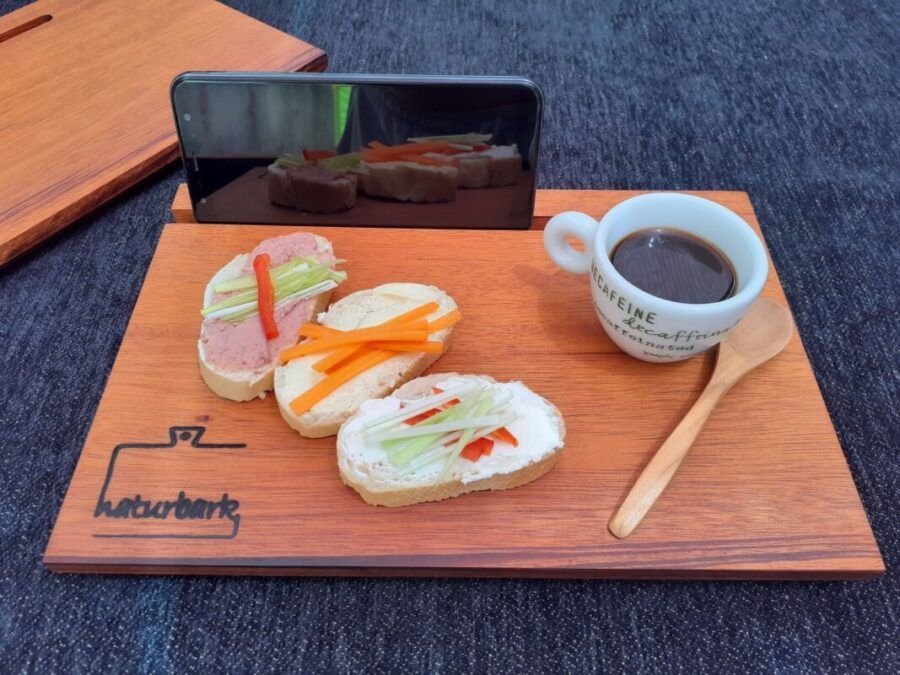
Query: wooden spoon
(764, 332)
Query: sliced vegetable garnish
(335, 358)
(503, 434)
(419, 406)
(317, 392)
(331, 342)
(315, 155)
(265, 291)
(442, 427)
(464, 139)
(354, 351)
(445, 321)
(348, 163)
(422, 346)
(294, 280)
(291, 160)
(458, 422)
(474, 450)
(391, 153)
(421, 417)
(338, 355)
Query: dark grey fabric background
(795, 102)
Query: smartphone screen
(359, 150)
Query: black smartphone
(360, 150)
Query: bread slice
(311, 188)
(474, 168)
(366, 468)
(410, 182)
(359, 310)
(245, 385)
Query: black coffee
(674, 265)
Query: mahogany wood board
(85, 96)
(764, 494)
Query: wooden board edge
(546, 203)
(26, 239)
(63, 565)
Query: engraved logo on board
(171, 490)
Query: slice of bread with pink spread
(236, 359)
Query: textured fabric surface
(795, 102)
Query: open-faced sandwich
(404, 173)
(366, 345)
(479, 163)
(443, 435)
(318, 181)
(254, 306)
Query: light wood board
(85, 98)
(764, 494)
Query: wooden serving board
(85, 93)
(764, 494)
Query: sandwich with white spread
(444, 435)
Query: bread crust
(418, 493)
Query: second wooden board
(85, 93)
(765, 492)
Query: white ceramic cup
(641, 324)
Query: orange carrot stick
(335, 358)
(424, 346)
(314, 330)
(445, 321)
(317, 392)
(326, 344)
(319, 330)
(339, 355)
(404, 149)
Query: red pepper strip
(481, 147)
(504, 434)
(265, 295)
(452, 401)
(315, 155)
(471, 452)
(421, 417)
(475, 449)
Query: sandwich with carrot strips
(253, 308)
(443, 435)
(404, 173)
(479, 163)
(366, 345)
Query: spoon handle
(659, 471)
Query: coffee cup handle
(570, 223)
